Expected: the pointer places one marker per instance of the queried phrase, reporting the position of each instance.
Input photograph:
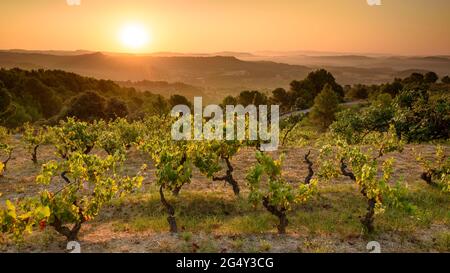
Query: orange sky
(408, 27)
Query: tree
(414, 78)
(251, 97)
(303, 92)
(421, 118)
(358, 92)
(229, 100)
(49, 104)
(5, 148)
(116, 108)
(354, 124)
(87, 106)
(160, 105)
(325, 106)
(446, 79)
(177, 100)
(392, 88)
(431, 77)
(5, 100)
(320, 78)
(281, 97)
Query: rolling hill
(215, 75)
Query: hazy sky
(397, 26)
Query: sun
(134, 36)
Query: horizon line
(288, 52)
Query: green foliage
(87, 106)
(325, 106)
(117, 136)
(74, 136)
(33, 137)
(437, 172)
(38, 95)
(278, 195)
(5, 149)
(361, 164)
(20, 218)
(115, 108)
(303, 92)
(251, 97)
(431, 77)
(281, 97)
(229, 100)
(5, 100)
(445, 79)
(177, 100)
(171, 158)
(358, 92)
(393, 89)
(421, 118)
(209, 154)
(88, 183)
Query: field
(212, 219)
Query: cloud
(73, 2)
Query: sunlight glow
(134, 36)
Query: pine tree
(325, 106)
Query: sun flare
(134, 36)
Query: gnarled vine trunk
(310, 169)
(280, 213)
(5, 162)
(428, 177)
(70, 233)
(229, 177)
(177, 189)
(88, 149)
(346, 172)
(34, 154)
(170, 210)
(368, 219)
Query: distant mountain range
(225, 72)
(210, 73)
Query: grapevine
(34, 137)
(361, 164)
(436, 173)
(278, 195)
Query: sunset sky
(407, 27)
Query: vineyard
(126, 186)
